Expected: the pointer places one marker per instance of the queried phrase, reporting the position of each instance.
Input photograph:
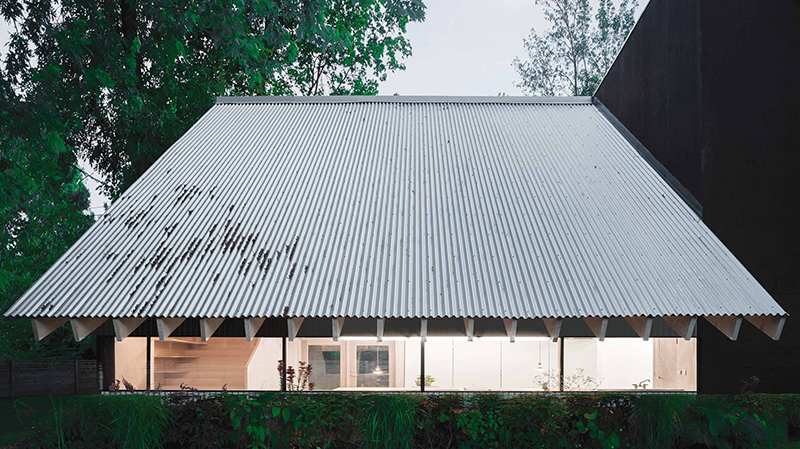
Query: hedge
(276, 420)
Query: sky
(464, 47)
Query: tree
(116, 82)
(42, 204)
(573, 55)
(126, 78)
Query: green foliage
(300, 420)
(481, 429)
(292, 420)
(198, 423)
(122, 80)
(388, 421)
(42, 204)
(124, 422)
(573, 55)
(429, 380)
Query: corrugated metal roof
(398, 207)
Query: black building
(712, 89)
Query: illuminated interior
(394, 364)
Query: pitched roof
(399, 207)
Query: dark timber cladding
(710, 88)
(402, 216)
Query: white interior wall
(476, 364)
(262, 372)
(438, 363)
(580, 354)
(520, 360)
(412, 363)
(623, 362)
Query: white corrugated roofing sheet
(399, 207)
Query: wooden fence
(41, 377)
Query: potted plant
(429, 380)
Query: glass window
(326, 366)
(491, 363)
(353, 364)
(373, 365)
(617, 364)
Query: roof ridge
(403, 99)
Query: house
(710, 88)
(402, 243)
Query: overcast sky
(464, 47)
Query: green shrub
(404, 421)
(92, 422)
(197, 422)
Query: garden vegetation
(310, 420)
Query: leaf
(718, 425)
(611, 442)
(276, 411)
(286, 415)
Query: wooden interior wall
(202, 365)
(675, 364)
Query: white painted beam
(42, 327)
(208, 326)
(770, 325)
(683, 325)
(598, 326)
(379, 332)
(423, 329)
(81, 327)
(727, 324)
(293, 325)
(642, 325)
(166, 326)
(469, 327)
(125, 326)
(251, 327)
(336, 328)
(511, 328)
(553, 326)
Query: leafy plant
(429, 380)
(296, 380)
(198, 423)
(575, 381)
(401, 421)
(104, 421)
(588, 427)
(388, 421)
(727, 430)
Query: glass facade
(489, 364)
(394, 364)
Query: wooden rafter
(598, 326)
(553, 326)
(166, 326)
(642, 325)
(42, 327)
(81, 327)
(208, 326)
(125, 326)
(727, 324)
